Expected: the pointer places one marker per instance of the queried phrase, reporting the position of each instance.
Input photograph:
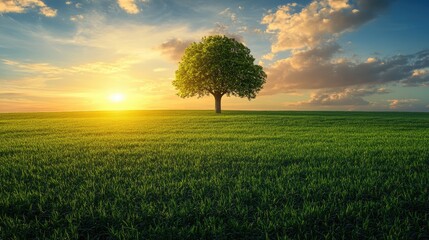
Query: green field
(195, 174)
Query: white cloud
(75, 18)
(318, 22)
(48, 12)
(130, 6)
(371, 60)
(420, 72)
(338, 4)
(268, 56)
(21, 6)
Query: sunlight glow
(117, 97)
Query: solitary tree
(219, 66)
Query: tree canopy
(218, 66)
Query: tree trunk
(218, 98)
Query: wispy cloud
(77, 17)
(229, 13)
(101, 57)
(43, 101)
(38, 68)
(222, 29)
(48, 69)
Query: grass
(194, 174)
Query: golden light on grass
(117, 97)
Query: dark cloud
(407, 105)
(417, 79)
(365, 10)
(343, 97)
(317, 69)
(174, 48)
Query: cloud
(174, 48)
(315, 60)
(221, 29)
(75, 18)
(130, 6)
(49, 70)
(30, 102)
(40, 68)
(338, 4)
(230, 14)
(317, 69)
(129, 38)
(48, 12)
(268, 56)
(103, 56)
(117, 66)
(371, 60)
(405, 104)
(21, 6)
(318, 22)
(343, 97)
(419, 77)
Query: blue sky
(319, 55)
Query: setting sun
(117, 97)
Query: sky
(348, 55)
